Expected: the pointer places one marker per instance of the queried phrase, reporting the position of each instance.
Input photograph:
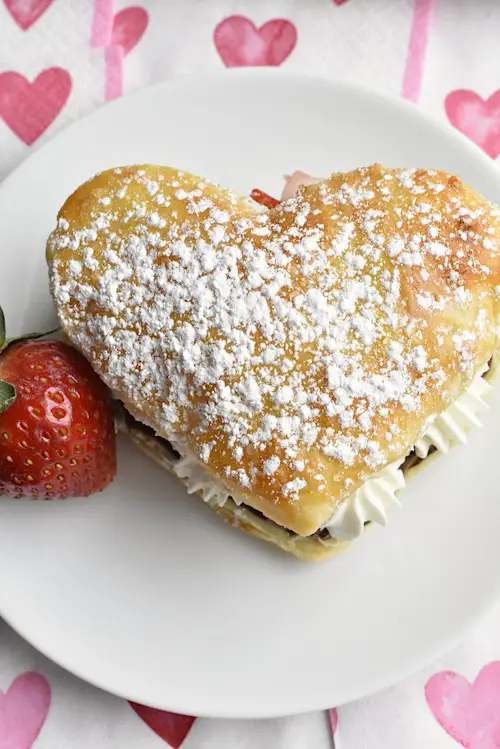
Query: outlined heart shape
(29, 108)
(240, 43)
(23, 710)
(129, 26)
(477, 118)
(469, 713)
(26, 12)
(171, 727)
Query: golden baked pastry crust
(297, 351)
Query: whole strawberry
(57, 436)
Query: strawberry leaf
(7, 395)
(6, 342)
(28, 337)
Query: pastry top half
(294, 352)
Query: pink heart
(240, 43)
(469, 713)
(23, 710)
(29, 108)
(128, 27)
(479, 119)
(171, 727)
(332, 713)
(26, 12)
(339, 2)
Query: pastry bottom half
(311, 548)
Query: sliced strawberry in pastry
(294, 181)
(264, 199)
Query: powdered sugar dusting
(300, 339)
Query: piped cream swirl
(373, 499)
(196, 478)
(450, 428)
(368, 504)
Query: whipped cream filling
(368, 504)
(373, 499)
(371, 502)
(450, 427)
(196, 478)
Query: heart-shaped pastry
(290, 360)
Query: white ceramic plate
(143, 590)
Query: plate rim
(287, 78)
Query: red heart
(171, 727)
(240, 43)
(128, 27)
(26, 12)
(477, 118)
(23, 710)
(469, 713)
(29, 108)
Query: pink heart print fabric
(23, 710)
(240, 43)
(477, 118)
(26, 13)
(61, 60)
(469, 713)
(29, 108)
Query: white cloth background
(364, 41)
